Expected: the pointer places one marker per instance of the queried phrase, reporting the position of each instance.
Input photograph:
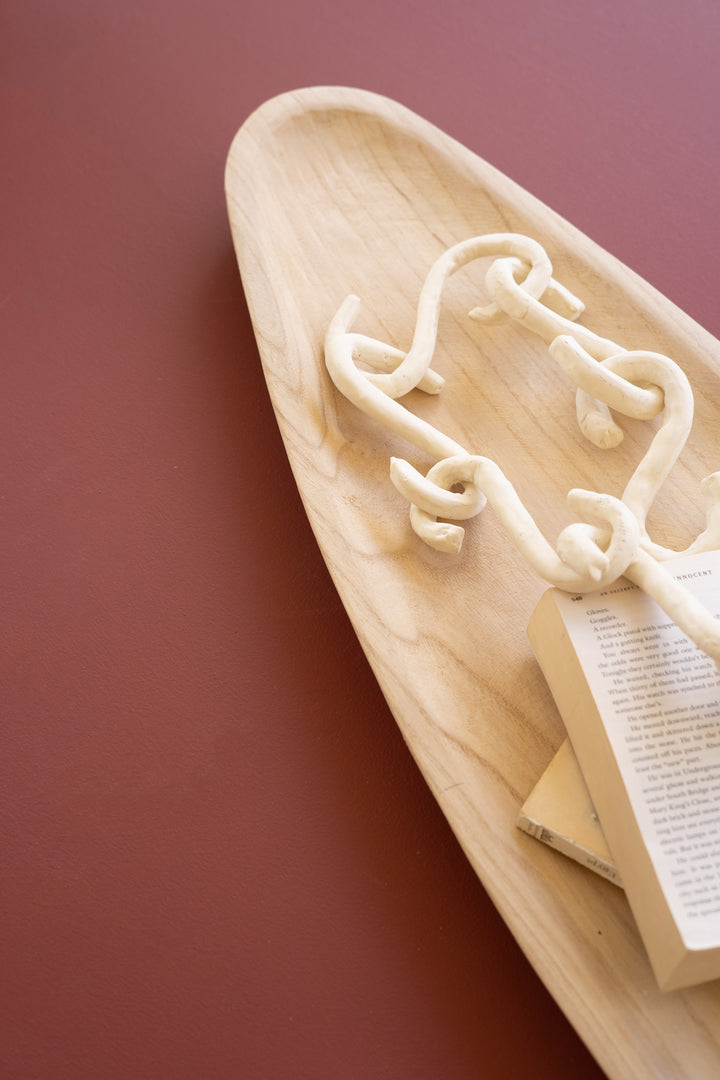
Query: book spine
(569, 847)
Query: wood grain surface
(334, 191)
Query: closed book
(559, 812)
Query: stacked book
(634, 793)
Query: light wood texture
(333, 191)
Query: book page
(660, 698)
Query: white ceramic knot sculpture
(611, 538)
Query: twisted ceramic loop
(611, 538)
(588, 556)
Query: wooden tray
(334, 191)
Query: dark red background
(218, 858)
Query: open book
(641, 704)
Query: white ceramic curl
(611, 538)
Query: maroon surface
(218, 859)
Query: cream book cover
(559, 812)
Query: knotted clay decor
(611, 539)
